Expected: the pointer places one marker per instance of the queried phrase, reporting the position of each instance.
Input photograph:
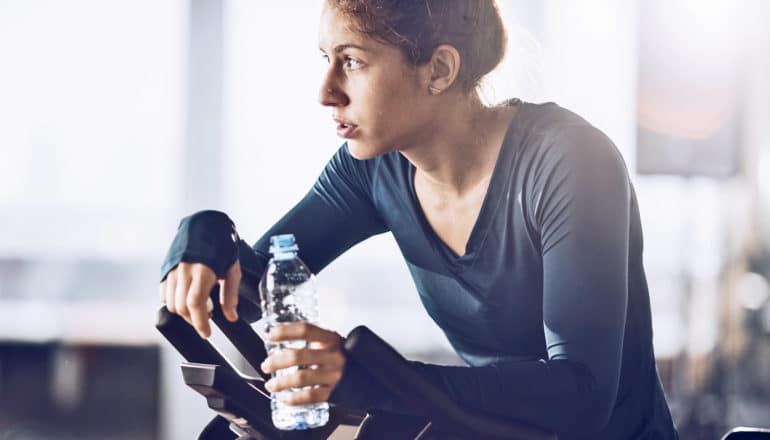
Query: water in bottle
(288, 294)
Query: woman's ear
(444, 68)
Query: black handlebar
(243, 337)
(384, 363)
(186, 340)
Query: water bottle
(288, 294)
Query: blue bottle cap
(283, 243)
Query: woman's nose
(326, 96)
(331, 97)
(331, 94)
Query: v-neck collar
(488, 206)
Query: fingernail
(263, 366)
(269, 385)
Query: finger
(305, 378)
(171, 291)
(307, 396)
(290, 331)
(180, 296)
(286, 358)
(197, 298)
(229, 290)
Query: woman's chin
(364, 151)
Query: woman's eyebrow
(340, 47)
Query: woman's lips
(345, 130)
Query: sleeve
(337, 213)
(580, 202)
(207, 237)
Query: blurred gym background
(117, 118)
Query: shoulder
(552, 136)
(565, 161)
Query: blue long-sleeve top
(549, 306)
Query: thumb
(229, 291)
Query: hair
(417, 27)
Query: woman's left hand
(324, 353)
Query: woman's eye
(352, 63)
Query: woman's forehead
(337, 30)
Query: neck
(460, 146)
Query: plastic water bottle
(288, 294)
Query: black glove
(207, 237)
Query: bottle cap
(283, 243)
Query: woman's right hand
(186, 291)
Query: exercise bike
(242, 405)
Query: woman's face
(378, 101)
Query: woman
(518, 223)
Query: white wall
(92, 112)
